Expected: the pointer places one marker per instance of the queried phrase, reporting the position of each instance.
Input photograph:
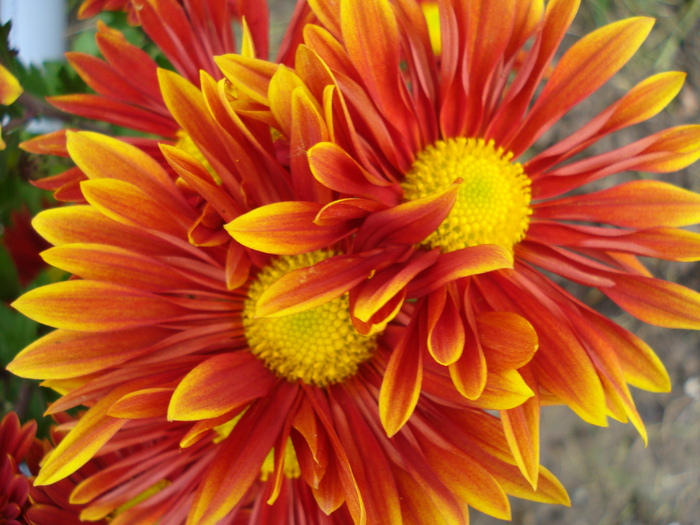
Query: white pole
(38, 28)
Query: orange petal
(407, 223)
(62, 354)
(401, 385)
(468, 480)
(84, 224)
(315, 285)
(96, 107)
(130, 205)
(640, 365)
(149, 402)
(337, 170)
(446, 332)
(657, 302)
(637, 204)
(100, 156)
(10, 90)
(53, 143)
(585, 67)
(521, 426)
(219, 385)
(662, 243)
(100, 262)
(111, 307)
(237, 462)
(469, 372)
(284, 228)
(93, 430)
(509, 340)
(460, 263)
(375, 55)
(374, 294)
(250, 75)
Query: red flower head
(15, 442)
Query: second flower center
(493, 203)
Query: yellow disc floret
(318, 346)
(493, 202)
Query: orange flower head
(424, 159)
(164, 335)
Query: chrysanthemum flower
(125, 79)
(160, 323)
(15, 442)
(434, 153)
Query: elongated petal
(636, 204)
(337, 170)
(130, 205)
(237, 462)
(284, 228)
(657, 302)
(375, 54)
(306, 288)
(93, 430)
(111, 306)
(468, 480)
(521, 426)
(218, 385)
(595, 58)
(251, 75)
(100, 262)
(407, 223)
(149, 402)
(100, 156)
(62, 354)
(401, 385)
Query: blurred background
(611, 477)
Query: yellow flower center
(493, 201)
(318, 346)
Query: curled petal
(509, 340)
(285, 228)
(315, 285)
(460, 263)
(407, 223)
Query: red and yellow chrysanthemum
(431, 153)
(15, 442)
(160, 325)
